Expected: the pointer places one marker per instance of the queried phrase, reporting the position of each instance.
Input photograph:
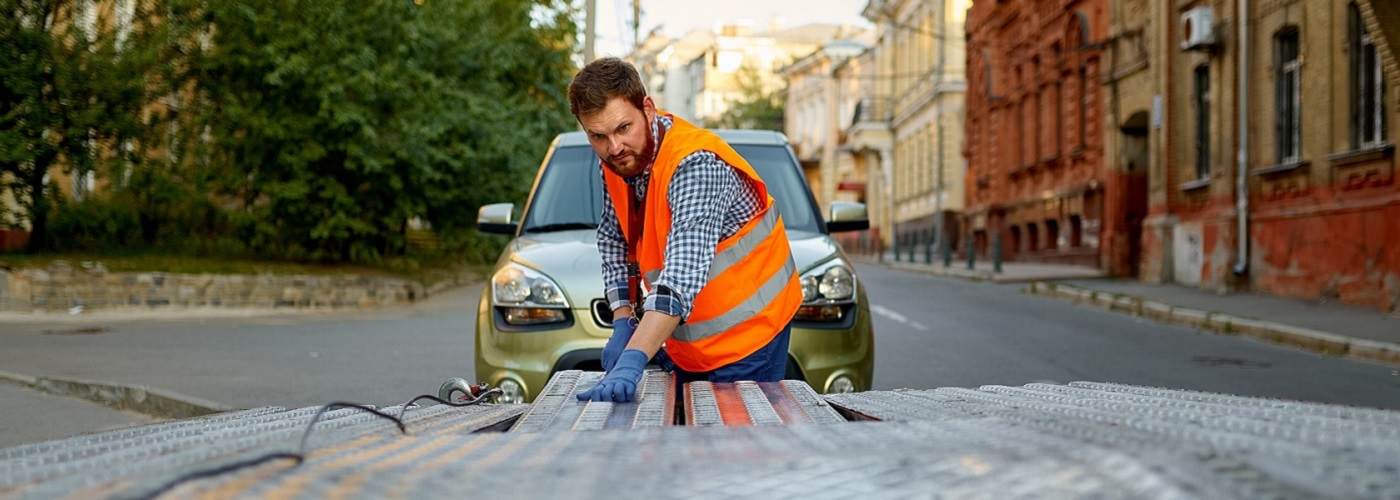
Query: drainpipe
(1242, 156)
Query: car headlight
(527, 297)
(825, 290)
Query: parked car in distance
(543, 310)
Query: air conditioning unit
(1198, 29)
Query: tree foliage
(301, 129)
(331, 125)
(72, 93)
(760, 105)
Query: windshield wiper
(563, 226)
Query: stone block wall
(63, 286)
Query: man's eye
(623, 128)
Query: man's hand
(620, 384)
(621, 335)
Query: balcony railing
(872, 109)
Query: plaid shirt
(709, 200)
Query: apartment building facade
(921, 78)
(1277, 149)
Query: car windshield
(570, 193)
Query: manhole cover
(1223, 361)
(94, 330)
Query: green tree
(760, 105)
(330, 125)
(71, 93)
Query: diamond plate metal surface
(142, 458)
(557, 408)
(756, 403)
(1249, 447)
(1033, 441)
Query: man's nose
(614, 146)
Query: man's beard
(641, 160)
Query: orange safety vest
(753, 289)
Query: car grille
(602, 314)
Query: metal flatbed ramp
(1034, 441)
(756, 403)
(129, 461)
(557, 408)
(1250, 447)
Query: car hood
(571, 258)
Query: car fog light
(819, 313)
(511, 393)
(840, 385)
(532, 316)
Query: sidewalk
(1328, 327)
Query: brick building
(1039, 186)
(1300, 158)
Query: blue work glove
(620, 384)
(621, 335)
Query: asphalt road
(930, 332)
(378, 357)
(941, 332)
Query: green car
(543, 310)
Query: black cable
(299, 457)
(223, 469)
(310, 426)
(476, 400)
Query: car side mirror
(847, 216)
(495, 218)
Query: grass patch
(425, 271)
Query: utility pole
(636, 26)
(590, 15)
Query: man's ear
(649, 108)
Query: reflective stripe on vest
(736, 252)
(742, 312)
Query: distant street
(939, 332)
(930, 332)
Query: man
(687, 217)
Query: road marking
(889, 314)
(899, 318)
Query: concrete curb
(983, 274)
(140, 399)
(1315, 340)
(953, 271)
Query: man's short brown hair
(603, 80)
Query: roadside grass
(427, 272)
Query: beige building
(920, 63)
(699, 76)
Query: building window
(1083, 106)
(1367, 84)
(1076, 231)
(1052, 234)
(1056, 119)
(1287, 97)
(1201, 94)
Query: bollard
(971, 254)
(928, 248)
(894, 246)
(947, 251)
(913, 246)
(996, 255)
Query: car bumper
(529, 358)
